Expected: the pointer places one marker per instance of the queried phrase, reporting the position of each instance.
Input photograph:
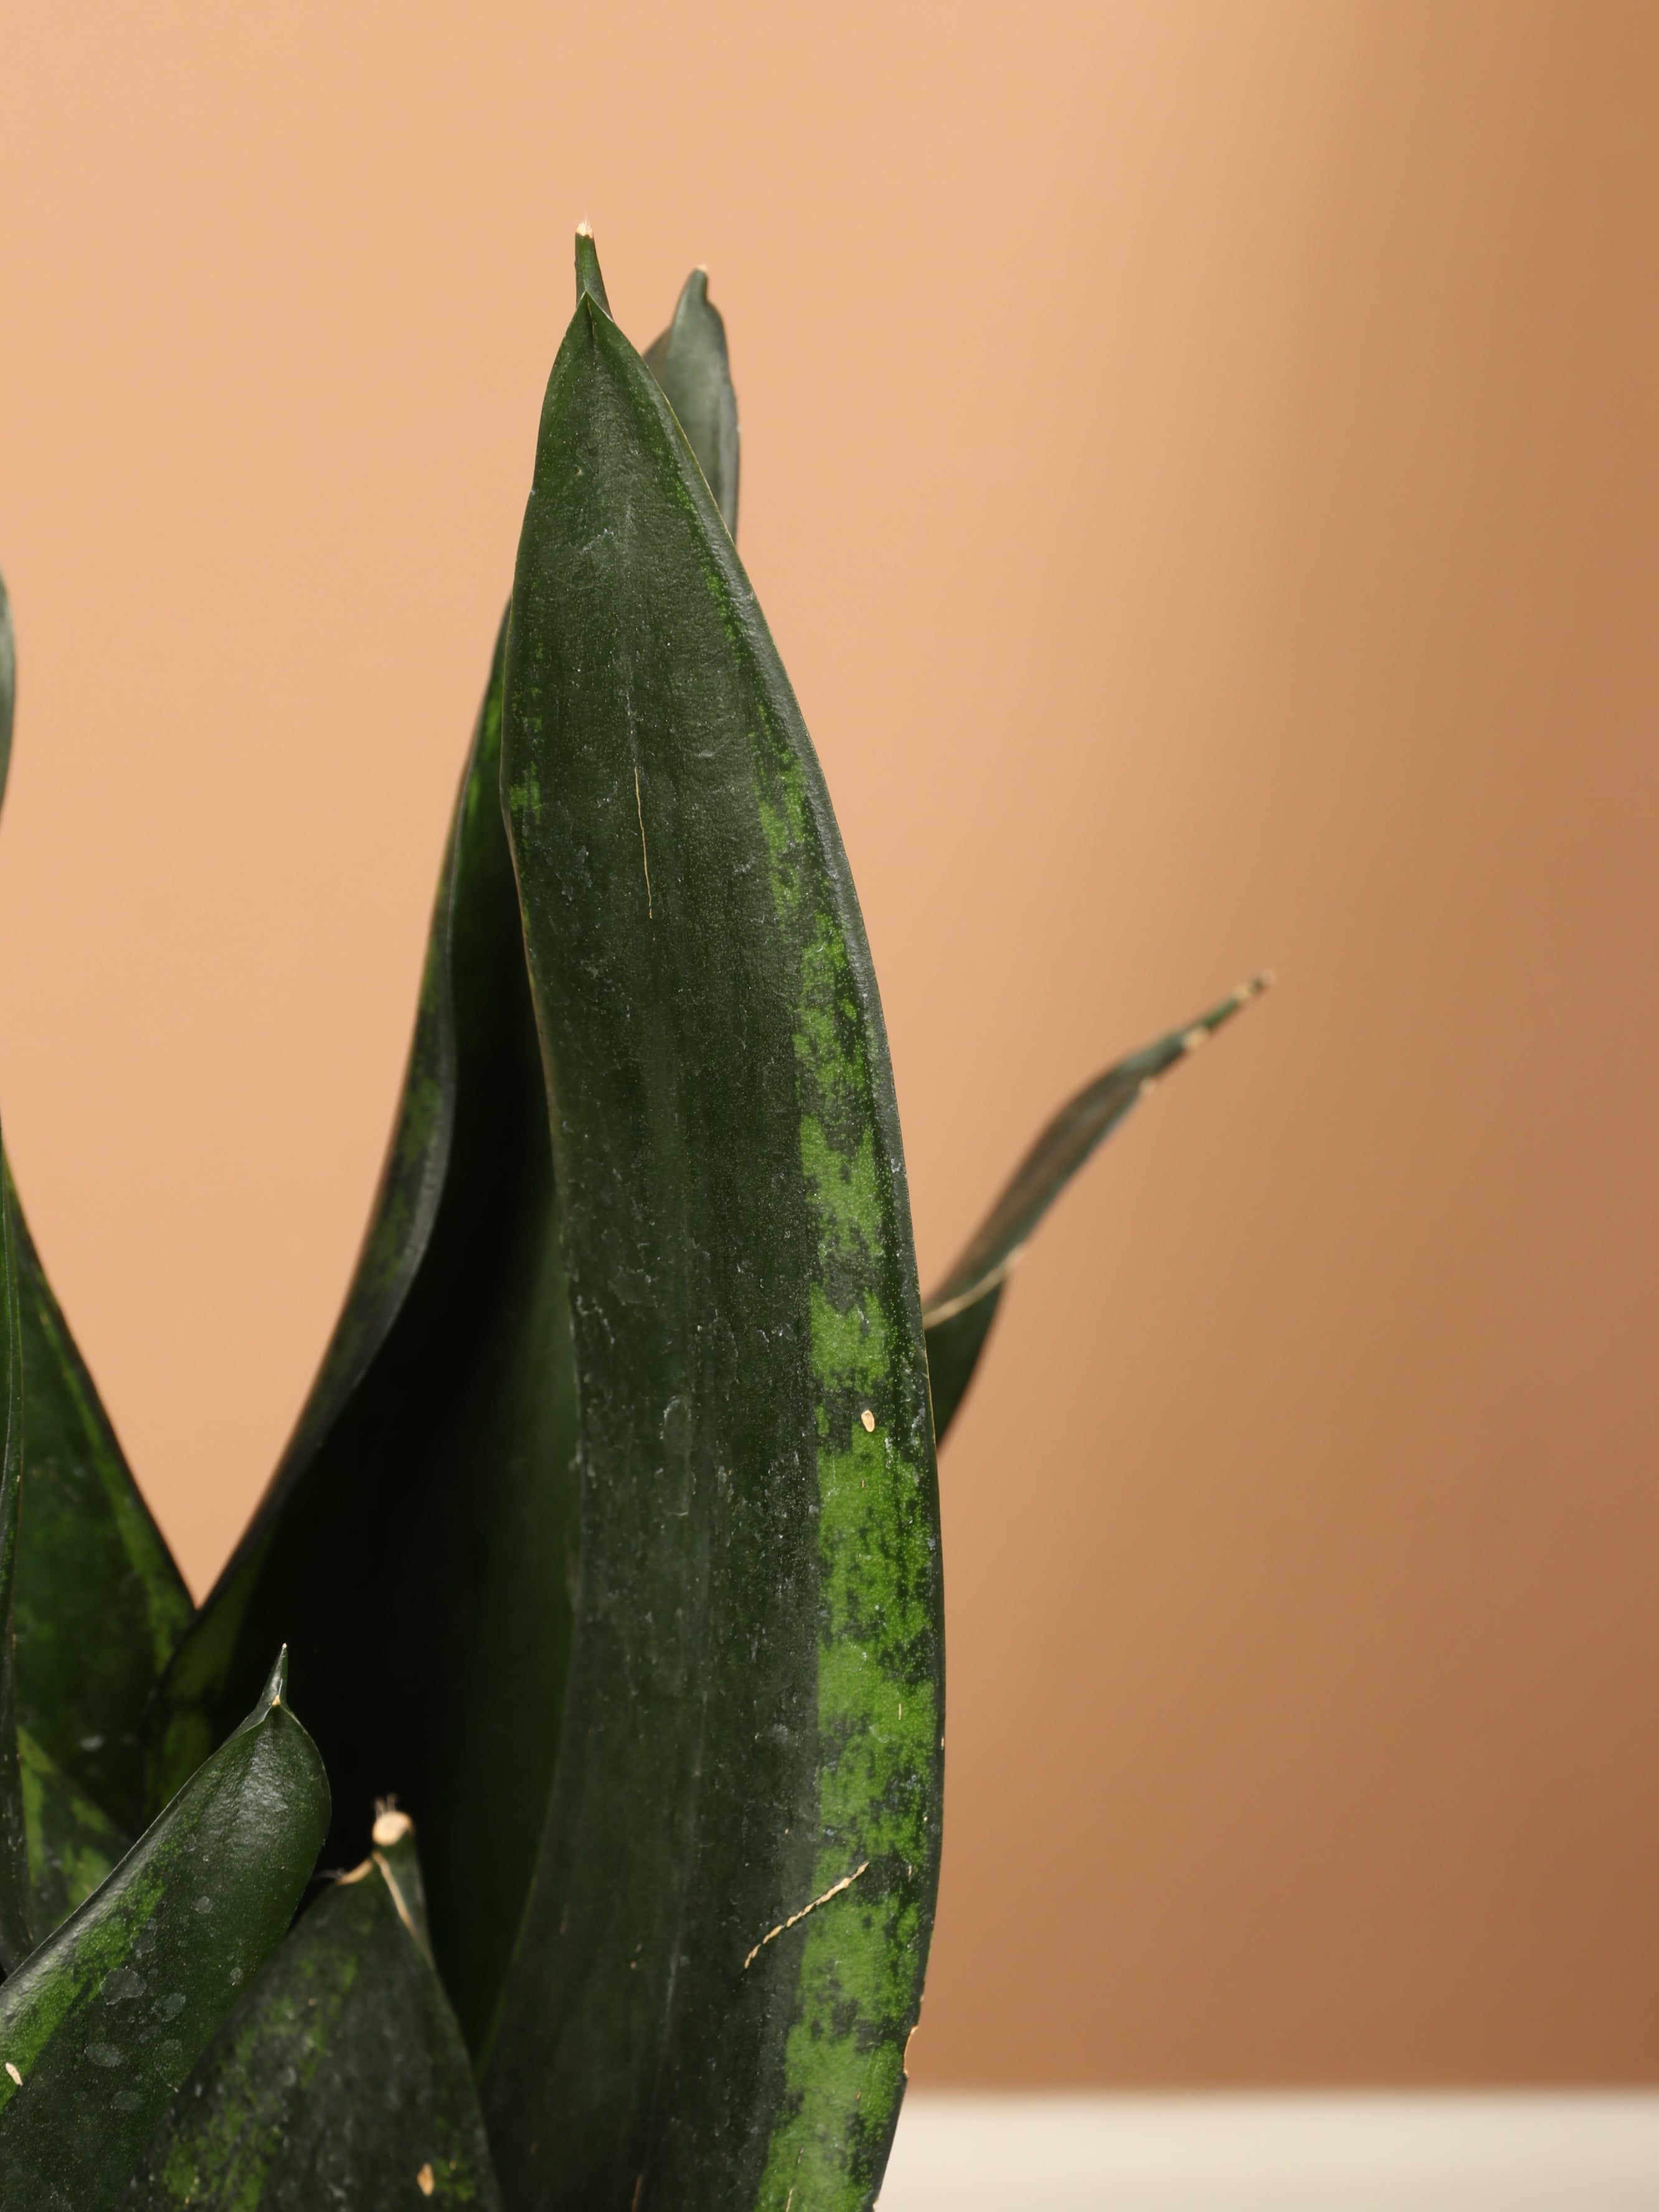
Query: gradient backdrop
(1202, 466)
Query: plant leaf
(99, 1604)
(724, 1949)
(417, 1546)
(17, 1916)
(99, 2026)
(340, 2078)
(959, 1313)
(73, 1843)
(689, 362)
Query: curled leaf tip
(276, 1682)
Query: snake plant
(605, 1555)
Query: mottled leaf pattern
(340, 2079)
(99, 1604)
(73, 1845)
(101, 2024)
(754, 1719)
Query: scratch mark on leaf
(834, 1890)
(650, 913)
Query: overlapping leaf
(100, 2025)
(689, 363)
(959, 1313)
(340, 2078)
(100, 1605)
(724, 1949)
(96, 1603)
(417, 1547)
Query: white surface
(1315, 2153)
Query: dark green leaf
(99, 1604)
(73, 1845)
(340, 2077)
(689, 363)
(417, 1546)
(102, 2024)
(724, 1949)
(16, 1915)
(961, 1308)
(7, 684)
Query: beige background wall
(1202, 469)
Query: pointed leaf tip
(275, 1690)
(957, 1318)
(590, 281)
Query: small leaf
(99, 1605)
(417, 1548)
(689, 361)
(73, 1845)
(340, 2078)
(17, 1897)
(723, 1950)
(961, 1308)
(102, 2024)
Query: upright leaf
(97, 1601)
(102, 2024)
(689, 361)
(16, 1918)
(340, 2078)
(960, 1312)
(99, 1604)
(725, 1944)
(415, 1546)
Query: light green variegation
(607, 1542)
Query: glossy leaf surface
(16, 1914)
(724, 1950)
(689, 362)
(960, 1311)
(99, 1604)
(340, 2079)
(416, 1548)
(102, 2024)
